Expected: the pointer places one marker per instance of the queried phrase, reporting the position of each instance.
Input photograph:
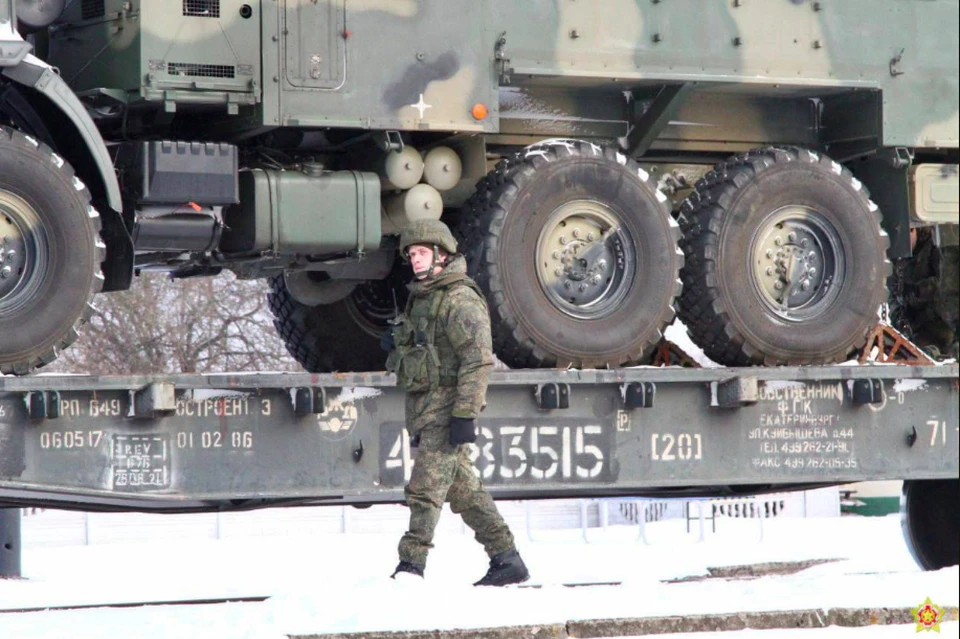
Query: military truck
(758, 169)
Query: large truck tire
(785, 260)
(930, 518)
(340, 337)
(51, 254)
(576, 251)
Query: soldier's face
(421, 260)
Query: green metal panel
(407, 65)
(289, 212)
(205, 51)
(338, 212)
(215, 48)
(99, 50)
(313, 43)
(773, 48)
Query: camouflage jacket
(444, 339)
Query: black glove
(387, 342)
(462, 431)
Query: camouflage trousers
(441, 473)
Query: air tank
(401, 170)
(442, 168)
(422, 202)
(33, 15)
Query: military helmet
(428, 233)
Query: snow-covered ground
(336, 582)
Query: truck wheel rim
(371, 306)
(23, 252)
(585, 259)
(797, 263)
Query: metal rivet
(556, 255)
(778, 286)
(574, 34)
(811, 255)
(803, 242)
(558, 271)
(5, 272)
(563, 239)
(566, 284)
(576, 232)
(811, 272)
(583, 287)
(590, 237)
(805, 285)
(769, 254)
(769, 270)
(778, 241)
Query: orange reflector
(196, 207)
(479, 111)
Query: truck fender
(80, 143)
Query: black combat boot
(505, 569)
(406, 566)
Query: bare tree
(184, 326)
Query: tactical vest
(424, 360)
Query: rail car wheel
(785, 260)
(50, 254)
(343, 336)
(930, 517)
(576, 251)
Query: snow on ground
(678, 335)
(339, 582)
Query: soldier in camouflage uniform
(442, 354)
